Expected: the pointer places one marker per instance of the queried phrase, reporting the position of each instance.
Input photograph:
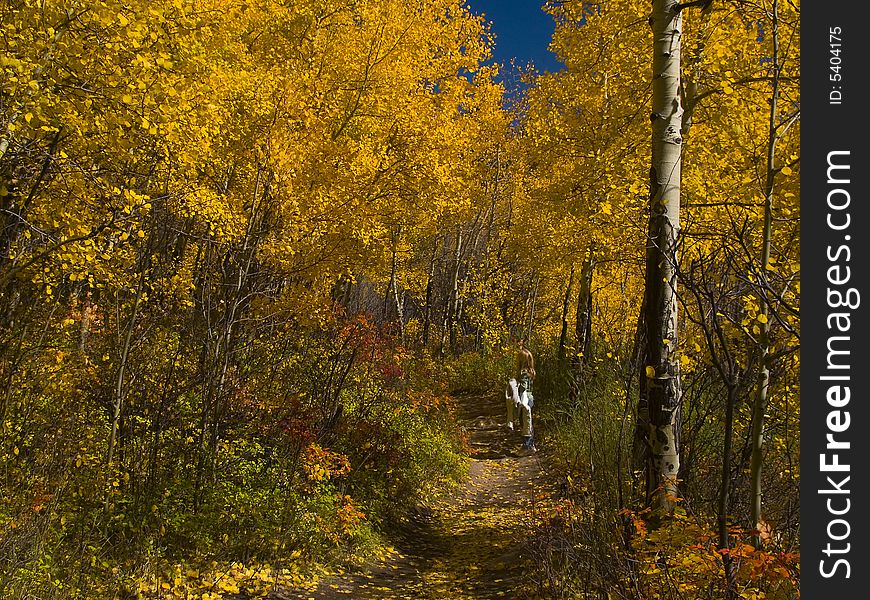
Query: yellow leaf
(786, 171)
(650, 371)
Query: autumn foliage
(249, 249)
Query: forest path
(470, 544)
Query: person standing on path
(525, 378)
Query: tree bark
(120, 379)
(582, 324)
(533, 302)
(400, 309)
(725, 490)
(662, 368)
(763, 382)
(453, 301)
(566, 303)
(640, 443)
(427, 312)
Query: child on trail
(524, 380)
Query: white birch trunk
(661, 317)
(763, 382)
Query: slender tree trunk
(533, 301)
(763, 383)
(427, 311)
(566, 303)
(400, 312)
(475, 235)
(725, 490)
(159, 421)
(583, 321)
(487, 263)
(522, 321)
(460, 301)
(582, 324)
(120, 379)
(453, 303)
(206, 361)
(85, 327)
(662, 367)
(217, 359)
(391, 286)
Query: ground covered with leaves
(467, 544)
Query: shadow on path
(469, 545)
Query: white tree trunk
(661, 305)
(763, 381)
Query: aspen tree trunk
(400, 307)
(453, 301)
(470, 251)
(120, 380)
(205, 283)
(386, 303)
(487, 263)
(427, 313)
(521, 322)
(217, 358)
(460, 300)
(393, 289)
(532, 303)
(582, 324)
(225, 347)
(763, 382)
(160, 420)
(662, 368)
(391, 285)
(725, 491)
(566, 303)
(85, 327)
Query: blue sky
(522, 31)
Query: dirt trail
(469, 545)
